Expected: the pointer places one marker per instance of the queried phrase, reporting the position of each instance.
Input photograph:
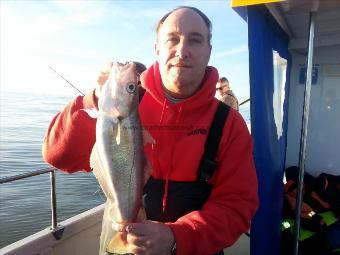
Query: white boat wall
(80, 237)
(323, 137)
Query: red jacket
(180, 131)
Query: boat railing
(56, 230)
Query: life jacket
(320, 213)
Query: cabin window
(280, 68)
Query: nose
(182, 50)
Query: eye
(196, 40)
(172, 40)
(131, 88)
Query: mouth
(181, 66)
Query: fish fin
(141, 216)
(147, 137)
(118, 244)
(147, 169)
(92, 112)
(118, 132)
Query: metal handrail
(57, 232)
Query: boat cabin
(294, 70)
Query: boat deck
(81, 237)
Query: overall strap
(208, 162)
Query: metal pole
(53, 201)
(25, 175)
(302, 153)
(57, 232)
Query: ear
(156, 49)
(210, 49)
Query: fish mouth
(119, 118)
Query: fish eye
(131, 88)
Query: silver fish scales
(117, 156)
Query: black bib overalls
(185, 197)
(182, 198)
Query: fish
(117, 157)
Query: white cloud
(236, 51)
(76, 37)
(82, 12)
(33, 39)
(151, 13)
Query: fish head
(119, 95)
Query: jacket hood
(152, 82)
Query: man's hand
(147, 237)
(102, 78)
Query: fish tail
(118, 244)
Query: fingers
(136, 243)
(136, 240)
(136, 229)
(137, 249)
(147, 237)
(119, 227)
(104, 74)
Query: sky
(77, 38)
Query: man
(225, 94)
(198, 218)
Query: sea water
(25, 204)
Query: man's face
(221, 87)
(183, 52)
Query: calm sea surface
(25, 204)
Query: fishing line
(245, 101)
(99, 192)
(67, 81)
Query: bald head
(205, 19)
(183, 50)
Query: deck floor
(241, 247)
